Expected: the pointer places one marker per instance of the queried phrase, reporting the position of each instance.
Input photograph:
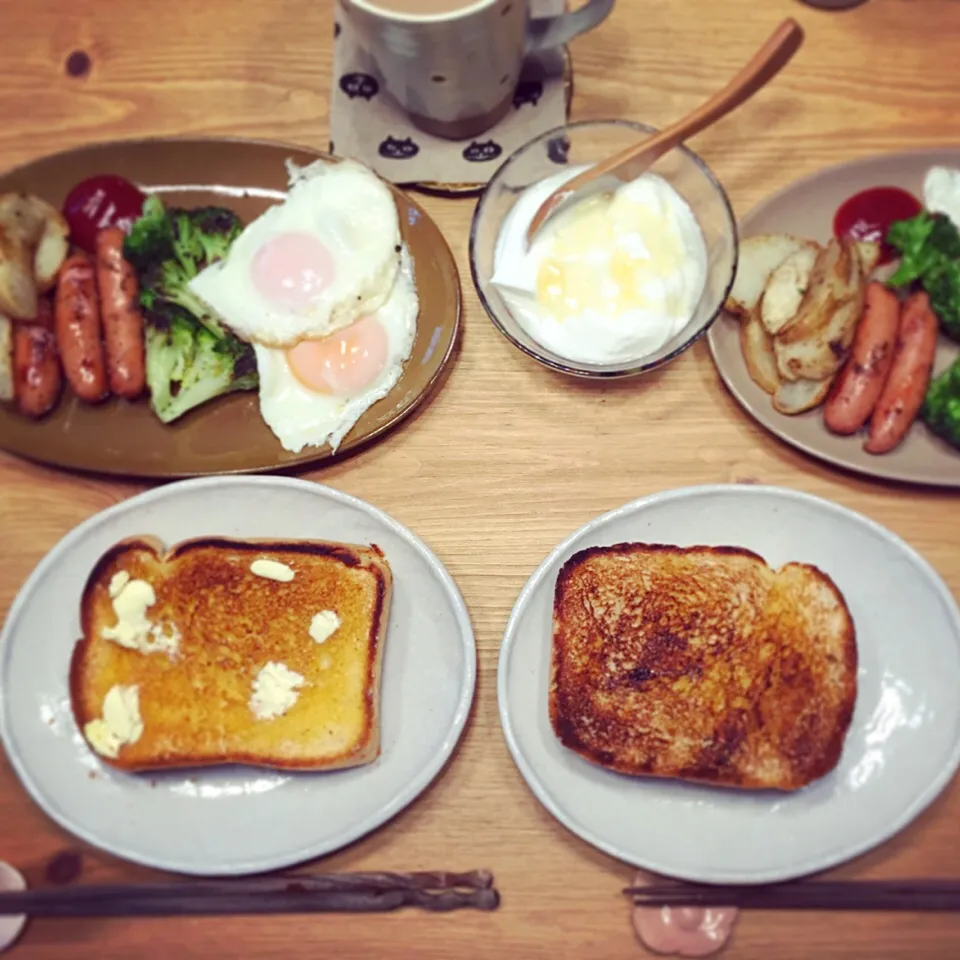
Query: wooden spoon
(629, 164)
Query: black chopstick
(295, 893)
(917, 896)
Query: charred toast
(253, 652)
(701, 664)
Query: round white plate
(234, 820)
(903, 746)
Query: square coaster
(366, 124)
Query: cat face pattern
(482, 151)
(557, 149)
(394, 149)
(359, 85)
(528, 91)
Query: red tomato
(101, 202)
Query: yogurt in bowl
(617, 283)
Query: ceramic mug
(455, 72)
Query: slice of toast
(196, 697)
(702, 664)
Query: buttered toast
(701, 664)
(226, 651)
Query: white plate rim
(415, 787)
(555, 808)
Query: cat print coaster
(367, 125)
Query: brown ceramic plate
(806, 209)
(226, 435)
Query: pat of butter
(131, 600)
(274, 691)
(272, 570)
(121, 723)
(324, 625)
(117, 582)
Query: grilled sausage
(861, 381)
(904, 390)
(37, 376)
(77, 324)
(121, 316)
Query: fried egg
(312, 265)
(314, 393)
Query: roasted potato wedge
(797, 397)
(6, 359)
(816, 344)
(37, 237)
(759, 257)
(18, 289)
(42, 228)
(822, 354)
(22, 217)
(827, 289)
(758, 355)
(785, 289)
(869, 253)
(50, 252)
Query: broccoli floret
(151, 237)
(930, 248)
(168, 281)
(941, 406)
(169, 248)
(215, 229)
(187, 365)
(190, 356)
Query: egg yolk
(609, 255)
(344, 363)
(293, 269)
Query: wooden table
(508, 458)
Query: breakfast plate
(198, 821)
(902, 748)
(227, 434)
(806, 209)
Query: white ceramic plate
(235, 820)
(903, 746)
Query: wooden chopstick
(293, 893)
(917, 896)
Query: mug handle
(544, 33)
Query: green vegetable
(169, 248)
(191, 357)
(941, 406)
(930, 249)
(151, 236)
(187, 365)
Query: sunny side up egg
(315, 392)
(312, 265)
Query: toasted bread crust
(701, 664)
(96, 664)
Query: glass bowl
(584, 144)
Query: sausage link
(77, 323)
(861, 382)
(122, 319)
(37, 377)
(906, 386)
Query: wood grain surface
(508, 458)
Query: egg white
(352, 212)
(298, 416)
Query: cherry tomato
(101, 202)
(867, 216)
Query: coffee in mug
(453, 65)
